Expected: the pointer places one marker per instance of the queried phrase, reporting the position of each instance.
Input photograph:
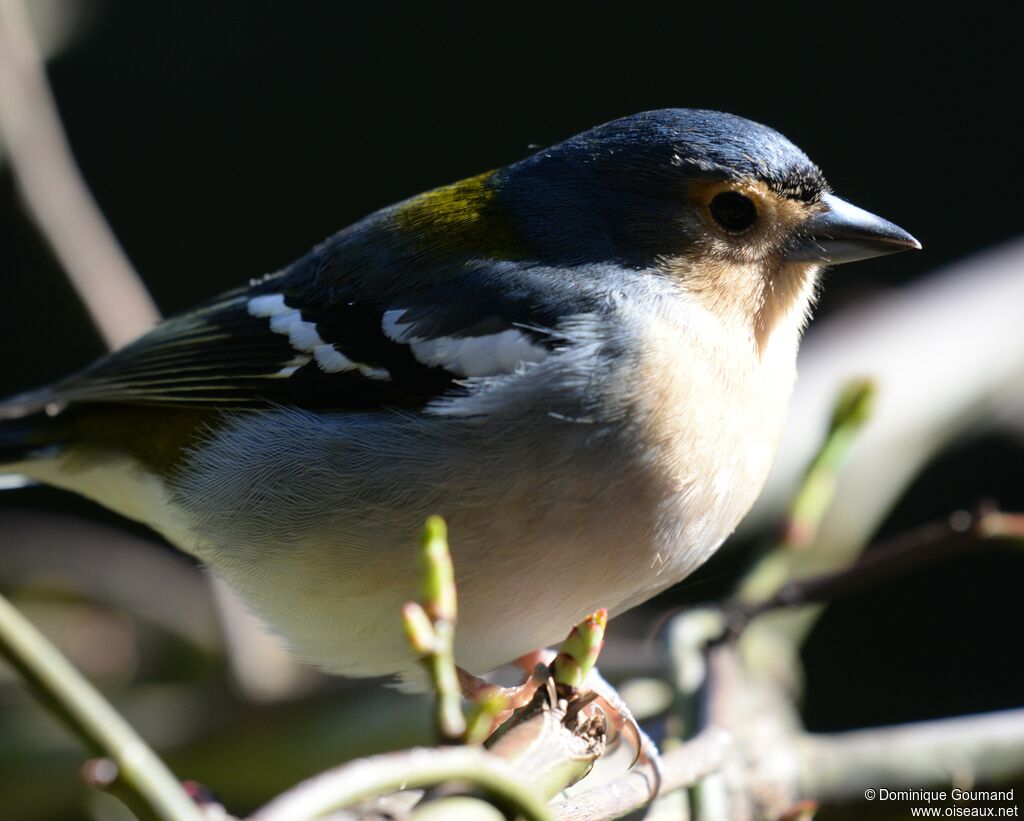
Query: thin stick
(680, 768)
(55, 193)
(930, 543)
(814, 495)
(986, 749)
(53, 680)
(430, 627)
(381, 774)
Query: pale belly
(535, 548)
(314, 518)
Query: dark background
(224, 139)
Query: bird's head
(729, 209)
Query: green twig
(488, 707)
(409, 769)
(548, 751)
(681, 767)
(430, 627)
(812, 500)
(74, 701)
(930, 543)
(814, 496)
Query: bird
(582, 361)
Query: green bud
(854, 404)
(483, 715)
(578, 653)
(418, 628)
(437, 579)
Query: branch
(814, 494)
(812, 500)
(423, 767)
(546, 752)
(772, 763)
(930, 543)
(680, 768)
(430, 628)
(74, 701)
(548, 744)
(987, 748)
(114, 296)
(55, 193)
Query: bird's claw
(622, 723)
(596, 694)
(474, 688)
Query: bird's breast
(707, 416)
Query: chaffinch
(582, 361)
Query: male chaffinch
(582, 361)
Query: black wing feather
(220, 355)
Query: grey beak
(841, 232)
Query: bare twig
(680, 768)
(377, 775)
(962, 751)
(930, 543)
(537, 757)
(114, 296)
(55, 193)
(72, 699)
(772, 763)
(548, 752)
(758, 779)
(813, 496)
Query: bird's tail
(26, 430)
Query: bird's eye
(733, 211)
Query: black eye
(734, 212)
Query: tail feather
(27, 404)
(14, 481)
(19, 439)
(24, 423)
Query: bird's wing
(289, 339)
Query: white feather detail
(393, 329)
(267, 305)
(332, 361)
(478, 356)
(513, 348)
(282, 323)
(293, 364)
(489, 355)
(486, 355)
(303, 336)
(380, 374)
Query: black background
(224, 139)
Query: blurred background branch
(54, 192)
(69, 696)
(115, 298)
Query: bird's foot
(596, 693)
(474, 688)
(621, 723)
